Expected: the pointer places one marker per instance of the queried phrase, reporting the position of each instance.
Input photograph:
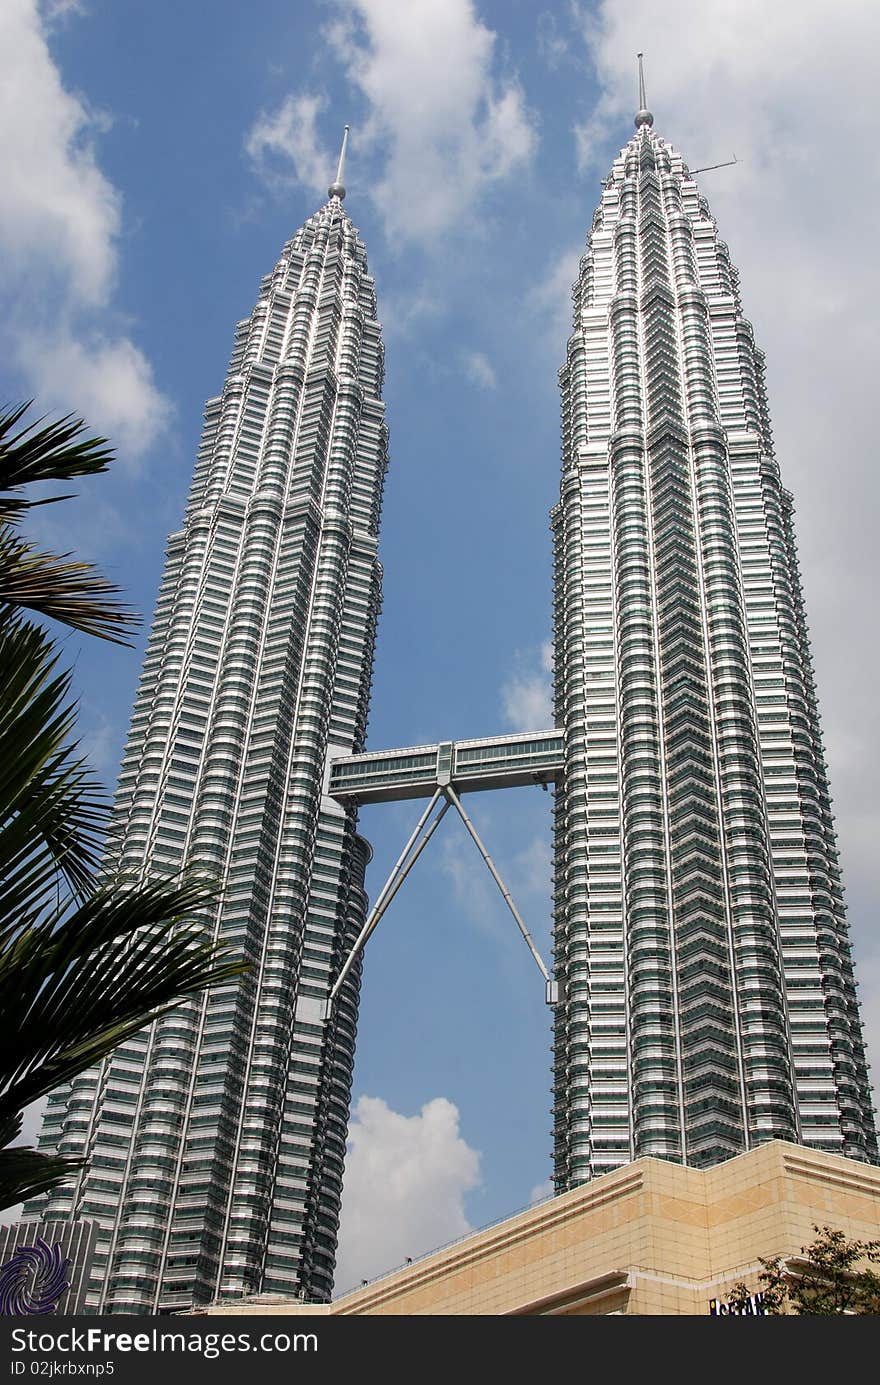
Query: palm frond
(83, 967)
(71, 592)
(52, 809)
(80, 985)
(26, 1172)
(56, 452)
(10, 1128)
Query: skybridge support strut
(402, 868)
(404, 864)
(550, 985)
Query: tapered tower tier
(701, 944)
(215, 1140)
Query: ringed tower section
(215, 1140)
(706, 984)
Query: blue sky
(155, 158)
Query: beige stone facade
(650, 1238)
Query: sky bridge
(440, 773)
(495, 762)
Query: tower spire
(337, 187)
(643, 115)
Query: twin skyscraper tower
(702, 978)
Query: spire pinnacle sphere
(337, 187)
(643, 115)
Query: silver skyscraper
(701, 944)
(703, 986)
(703, 979)
(215, 1140)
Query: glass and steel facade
(705, 999)
(215, 1140)
(700, 940)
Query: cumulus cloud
(56, 203)
(60, 220)
(99, 744)
(526, 696)
(549, 299)
(790, 91)
(478, 901)
(405, 1182)
(443, 121)
(449, 124)
(285, 146)
(478, 369)
(474, 892)
(532, 868)
(552, 43)
(404, 314)
(109, 381)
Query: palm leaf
(52, 810)
(80, 985)
(73, 593)
(56, 452)
(26, 1172)
(83, 969)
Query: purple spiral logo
(33, 1281)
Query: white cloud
(108, 381)
(474, 892)
(59, 10)
(60, 219)
(403, 314)
(790, 91)
(57, 205)
(99, 745)
(553, 46)
(532, 869)
(541, 1192)
(478, 369)
(549, 299)
(442, 120)
(526, 696)
(449, 124)
(32, 1121)
(289, 137)
(405, 1182)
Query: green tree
(824, 1279)
(87, 958)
